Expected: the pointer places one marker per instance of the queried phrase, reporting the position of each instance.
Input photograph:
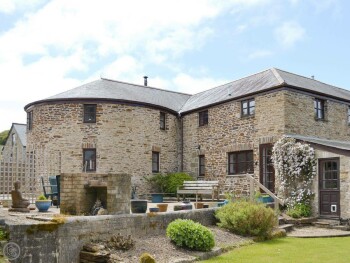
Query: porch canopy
(340, 147)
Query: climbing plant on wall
(295, 168)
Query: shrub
(147, 258)
(300, 210)
(175, 180)
(188, 234)
(158, 182)
(247, 218)
(41, 197)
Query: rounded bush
(188, 234)
(247, 218)
(176, 179)
(147, 258)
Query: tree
(3, 137)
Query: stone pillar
(118, 193)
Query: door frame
(261, 166)
(320, 188)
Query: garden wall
(62, 239)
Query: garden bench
(199, 188)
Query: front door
(267, 172)
(329, 187)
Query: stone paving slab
(310, 232)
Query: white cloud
(10, 6)
(289, 33)
(259, 54)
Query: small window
(89, 160)
(155, 162)
(349, 115)
(203, 118)
(240, 162)
(13, 137)
(162, 120)
(319, 109)
(201, 165)
(248, 107)
(90, 113)
(30, 120)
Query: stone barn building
(109, 126)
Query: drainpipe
(181, 142)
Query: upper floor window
(240, 162)
(13, 138)
(89, 113)
(319, 109)
(248, 107)
(201, 165)
(162, 120)
(155, 162)
(30, 120)
(89, 160)
(349, 115)
(203, 118)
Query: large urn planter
(43, 205)
(157, 198)
(162, 207)
(138, 206)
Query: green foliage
(175, 180)
(3, 234)
(300, 210)
(247, 218)
(158, 182)
(41, 197)
(161, 183)
(3, 136)
(186, 233)
(147, 258)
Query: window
(89, 160)
(248, 107)
(155, 162)
(201, 165)
(13, 137)
(29, 120)
(240, 162)
(90, 113)
(349, 115)
(162, 118)
(319, 109)
(203, 118)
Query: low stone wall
(62, 239)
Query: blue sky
(50, 46)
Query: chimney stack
(145, 80)
(313, 77)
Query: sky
(50, 46)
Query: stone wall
(123, 135)
(227, 132)
(79, 193)
(62, 240)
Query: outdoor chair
(53, 188)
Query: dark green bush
(188, 234)
(300, 210)
(158, 182)
(247, 218)
(175, 180)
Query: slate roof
(183, 103)
(22, 132)
(342, 145)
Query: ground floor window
(155, 162)
(201, 166)
(89, 160)
(240, 162)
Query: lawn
(291, 250)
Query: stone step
(281, 220)
(286, 227)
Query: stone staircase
(284, 225)
(332, 224)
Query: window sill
(203, 126)
(321, 120)
(239, 175)
(247, 116)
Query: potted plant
(158, 183)
(42, 203)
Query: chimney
(145, 80)
(313, 77)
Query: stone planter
(138, 206)
(157, 198)
(162, 207)
(43, 205)
(183, 207)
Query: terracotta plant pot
(162, 207)
(198, 205)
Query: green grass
(300, 250)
